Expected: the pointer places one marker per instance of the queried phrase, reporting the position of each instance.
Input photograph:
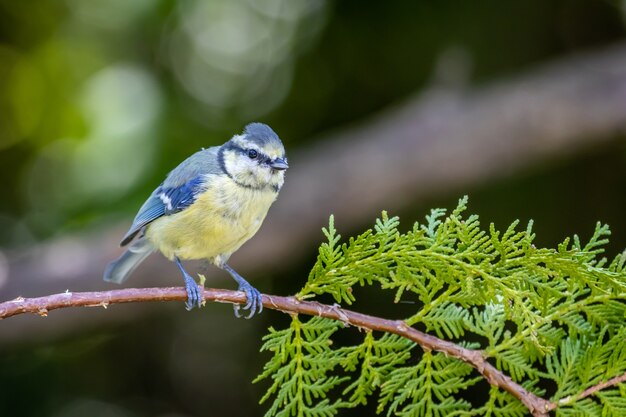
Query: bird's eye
(252, 154)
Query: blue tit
(207, 207)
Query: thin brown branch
(42, 305)
(589, 391)
(538, 406)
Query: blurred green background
(99, 99)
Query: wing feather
(179, 190)
(164, 201)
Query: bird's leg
(255, 300)
(194, 294)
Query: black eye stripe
(260, 158)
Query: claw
(254, 299)
(194, 293)
(254, 303)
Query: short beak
(279, 164)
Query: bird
(206, 208)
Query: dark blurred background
(398, 106)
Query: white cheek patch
(235, 163)
(246, 164)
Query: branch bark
(537, 406)
(588, 392)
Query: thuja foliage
(552, 319)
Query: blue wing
(163, 202)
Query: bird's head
(255, 159)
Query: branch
(538, 406)
(589, 391)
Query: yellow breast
(221, 219)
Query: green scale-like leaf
(427, 388)
(300, 369)
(540, 315)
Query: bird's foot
(194, 293)
(254, 303)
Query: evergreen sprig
(545, 317)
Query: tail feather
(121, 268)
